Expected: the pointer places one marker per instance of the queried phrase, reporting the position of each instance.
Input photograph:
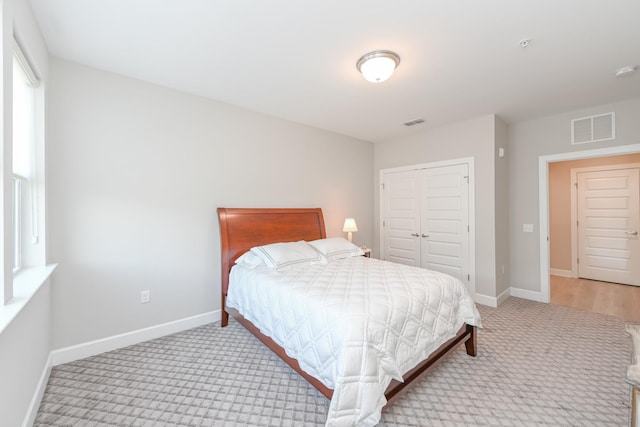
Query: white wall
(473, 138)
(24, 354)
(25, 342)
(528, 141)
(136, 172)
(502, 210)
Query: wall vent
(593, 128)
(413, 122)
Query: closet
(425, 217)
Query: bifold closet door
(426, 218)
(444, 219)
(401, 219)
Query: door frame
(469, 161)
(574, 205)
(543, 203)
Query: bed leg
(470, 343)
(225, 319)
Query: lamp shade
(350, 225)
(377, 66)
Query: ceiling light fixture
(377, 66)
(625, 71)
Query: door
(608, 225)
(401, 218)
(426, 218)
(444, 210)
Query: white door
(444, 221)
(608, 226)
(401, 218)
(426, 219)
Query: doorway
(549, 228)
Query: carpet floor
(537, 365)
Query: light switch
(527, 228)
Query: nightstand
(367, 252)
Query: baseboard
(510, 292)
(91, 348)
(493, 301)
(526, 294)
(504, 296)
(486, 300)
(560, 272)
(32, 411)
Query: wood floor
(621, 301)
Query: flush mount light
(625, 71)
(377, 66)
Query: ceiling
(296, 59)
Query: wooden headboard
(242, 228)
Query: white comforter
(354, 324)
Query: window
(25, 182)
(18, 182)
(25, 105)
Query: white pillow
(335, 248)
(250, 260)
(289, 254)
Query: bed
(242, 229)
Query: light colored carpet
(538, 364)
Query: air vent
(593, 128)
(413, 122)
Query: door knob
(415, 235)
(633, 233)
(425, 235)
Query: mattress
(354, 324)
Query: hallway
(622, 301)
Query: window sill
(26, 283)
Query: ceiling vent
(593, 128)
(413, 122)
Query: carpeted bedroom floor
(538, 364)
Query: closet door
(444, 220)
(401, 219)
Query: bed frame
(241, 229)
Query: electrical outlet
(527, 228)
(145, 296)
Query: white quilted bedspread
(354, 324)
